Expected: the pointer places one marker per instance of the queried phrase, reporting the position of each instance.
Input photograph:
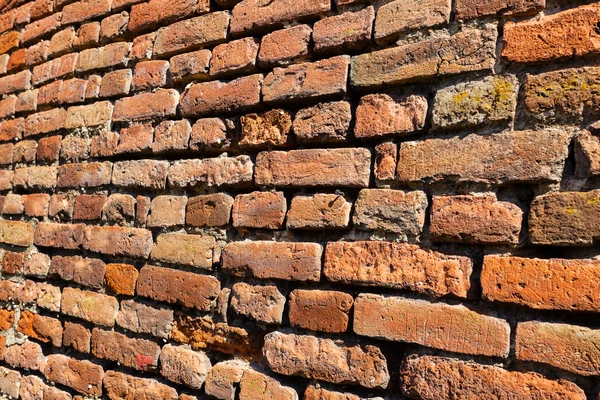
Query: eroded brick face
(299, 199)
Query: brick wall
(299, 199)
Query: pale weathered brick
(181, 248)
(396, 17)
(97, 308)
(220, 171)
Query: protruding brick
(319, 211)
(149, 174)
(66, 236)
(273, 260)
(181, 248)
(346, 32)
(88, 207)
(438, 325)
(323, 359)
(162, 103)
(264, 210)
(119, 386)
(399, 266)
(32, 387)
(97, 308)
(320, 310)
(118, 241)
(569, 347)
(514, 157)
(57, 68)
(11, 129)
(396, 17)
(139, 354)
(184, 366)
(62, 41)
(435, 378)
(88, 35)
(209, 210)
(178, 287)
(285, 46)
(83, 376)
(348, 167)
(42, 328)
(48, 149)
(220, 171)
(587, 154)
(40, 28)
(141, 48)
(114, 26)
(140, 318)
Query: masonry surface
(299, 199)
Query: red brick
(219, 171)
(42, 328)
(11, 129)
(92, 89)
(156, 13)
(223, 378)
(48, 94)
(73, 91)
(121, 278)
(167, 211)
(74, 148)
(84, 10)
(467, 50)
(213, 134)
(6, 153)
(88, 207)
(7, 320)
(48, 297)
(190, 66)
(134, 139)
(41, 8)
(319, 211)
(52, 393)
(84, 175)
(397, 17)
(97, 308)
(83, 376)
(566, 34)
(24, 293)
(264, 210)
(15, 83)
(62, 41)
(304, 356)
(285, 46)
(17, 233)
(90, 115)
(114, 26)
(116, 83)
(118, 241)
(320, 310)
(118, 385)
(8, 107)
(149, 174)
(235, 57)
(45, 122)
(119, 209)
(346, 32)
(384, 114)
(216, 96)
(9, 41)
(77, 337)
(252, 16)
(568, 347)
(17, 60)
(162, 103)
(12, 263)
(32, 387)
(321, 79)
(178, 287)
(35, 178)
(142, 47)
(88, 35)
(141, 318)
(587, 154)
(24, 152)
(142, 208)
(348, 167)
(209, 210)
(27, 101)
(36, 205)
(13, 204)
(111, 55)
(273, 260)
(181, 365)
(257, 386)
(446, 327)
(139, 354)
(83, 271)
(41, 28)
(192, 33)
(263, 304)
(171, 136)
(386, 155)
(57, 68)
(429, 378)
(37, 53)
(150, 74)
(267, 129)
(399, 266)
(28, 355)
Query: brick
(15, 82)
(520, 156)
(42, 328)
(36, 264)
(114, 26)
(24, 152)
(11, 129)
(27, 101)
(84, 10)
(116, 83)
(157, 13)
(92, 89)
(546, 284)
(384, 114)
(150, 174)
(118, 386)
(209, 210)
(8, 319)
(184, 366)
(118, 241)
(89, 115)
(273, 260)
(142, 47)
(323, 359)
(430, 377)
(28, 355)
(32, 388)
(119, 209)
(17, 233)
(41, 28)
(17, 60)
(568, 347)
(257, 386)
(48, 297)
(142, 208)
(67, 236)
(35, 178)
(88, 35)
(88, 207)
(565, 34)
(62, 41)
(140, 318)
(73, 91)
(84, 175)
(565, 218)
(9, 41)
(223, 378)
(181, 248)
(391, 210)
(121, 278)
(57, 68)
(24, 293)
(134, 139)
(467, 50)
(13, 204)
(12, 263)
(162, 103)
(487, 101)
(97, 308)
(83, 376)
(3, 62)
(6, 153)
(264, 210)
(178, 287)
(171, 136)
(213, 134)
(467, 9)
(190, 66)
(319, 211)
(320, 310)
(219, 97)
(250, 16)
(260, 303)
(587, 154)
(139, 354)
(8, 107)
(192, 33)
(438, 325)
(150, 74)
(45, 122)
(397, 17)
(346, 32)
(52, 393)
(321, 79)
(270, 128)
(41, 8)
(84, 271)
(77, 337)
(207, 172)
(74, 148)
(284, 46)
(37, 53)
(10, 382)
(111, 55)
(235, 57)
(349, 167)
(398, 266)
